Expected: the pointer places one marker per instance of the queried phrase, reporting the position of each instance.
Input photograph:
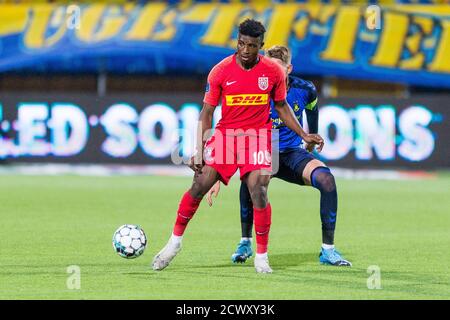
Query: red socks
(262, 219)
(186, 210)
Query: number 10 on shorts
(261, 157)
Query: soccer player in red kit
(245, 82)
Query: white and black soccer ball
(129, 241)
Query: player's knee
(198, 191)
(323, 180)
(259, 196)
(329, 184)
(197, 194)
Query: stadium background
(127, 76)
(88, 83)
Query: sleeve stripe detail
(311, 105)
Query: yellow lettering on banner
(326, 12)
(319, 25)
(199, 13)
(280, 24)
(221, 28)
(34, 37)
(111, 23)
(184, 5)
(148, 18)
(128, 7)
(343, 36)
(425, 22)
(415, 62)
(13, 18)
(439, 10)
(301, 28)
(441, 61)
(413, 43)
(169, 30)
(390, 46)
(314, 10)
(259, 6)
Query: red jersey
(245, 94)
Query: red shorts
(229, 150)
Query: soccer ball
(129, 241)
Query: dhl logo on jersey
(247, 99)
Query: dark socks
(246, 211)
(323, 180)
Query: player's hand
(312, 140)
(213, 191)
(196, 164)
(310, 147)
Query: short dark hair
(252, 28)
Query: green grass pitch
(52, 222)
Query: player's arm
(204, 124)
(312, 114)
(210, 101)
(287, 115)
(312, 111)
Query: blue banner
(397, 43)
